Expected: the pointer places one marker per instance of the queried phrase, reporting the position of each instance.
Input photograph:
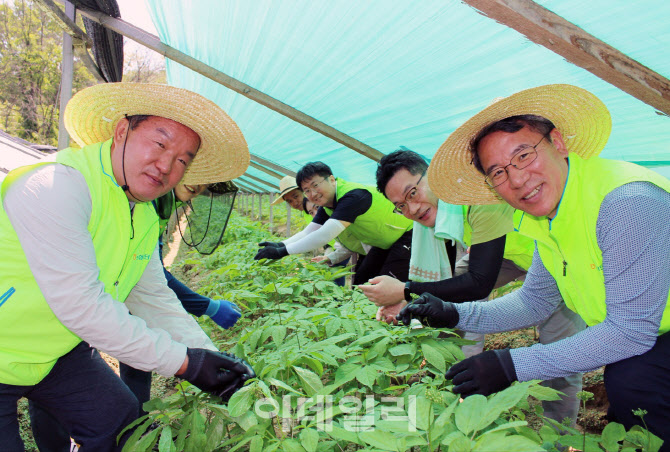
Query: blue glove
(223, 312)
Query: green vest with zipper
(379, 226)
(568, 244)
(31, 337)
(518, 249)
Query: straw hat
(92, 114)
(286, 184)
(581, 117)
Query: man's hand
(388, 313)
(271, 252)
(430, 311)
(321, 260)
(224, 313)
(384, 290)
(274, 244)
(218, 373)
(484, 374)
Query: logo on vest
(596, 267)
(141, 257)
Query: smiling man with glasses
(602, 240)
(497, 255)
(355, 214)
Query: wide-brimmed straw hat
(582, 119)
(92, 114)
(286, 184)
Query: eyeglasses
(409, 197)
(312, 188)
(527, 155)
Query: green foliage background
(308, 339)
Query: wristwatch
(408, 294)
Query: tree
(30, 71)
(143, 65)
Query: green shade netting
(392, 72)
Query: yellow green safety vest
(31, 337)
(379, 226)
(568, 244)
(518, 249)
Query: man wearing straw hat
(496, 256)
(355, 214)
(602, 240)
(92, 208)
(289, 192)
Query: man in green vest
(497, 255)
(80, 251)
(355, 214)
(602, 240)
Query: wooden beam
(580, 48)
(265, 170)
(258, 179)
(251, 184)
(67, 24)
(274, 166)
(154, 43)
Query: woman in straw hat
(602, 244)
(92, 208)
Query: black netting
(206, 217)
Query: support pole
(67, 74)
(271, 196)
(260, 207)
(288, 220)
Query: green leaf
(309, 438)
(498, 441)
(612, 434)
(380, 440)
(333, 326)
(241, 401)
(421, 409)
(434, 357)
(403, 349)
(256, 444)
(508, 398)
(311, 382)
(147, 441)
(367, 376)
(577, 442)
(543, 393)
(459, 443)
(281, 384)
(278, 335)
(165, 443)
(291, 445)
(214, 433)
(339, 433)
(469, 413)
(506, 426)
(346, 373)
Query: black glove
(274, 244)
(430, 311)
(484, 374)
(271, 252)
(218, 373)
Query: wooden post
(260, 207)
(288, 220)
(67, 74)
(271, 196)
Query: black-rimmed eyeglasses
(524, 157)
